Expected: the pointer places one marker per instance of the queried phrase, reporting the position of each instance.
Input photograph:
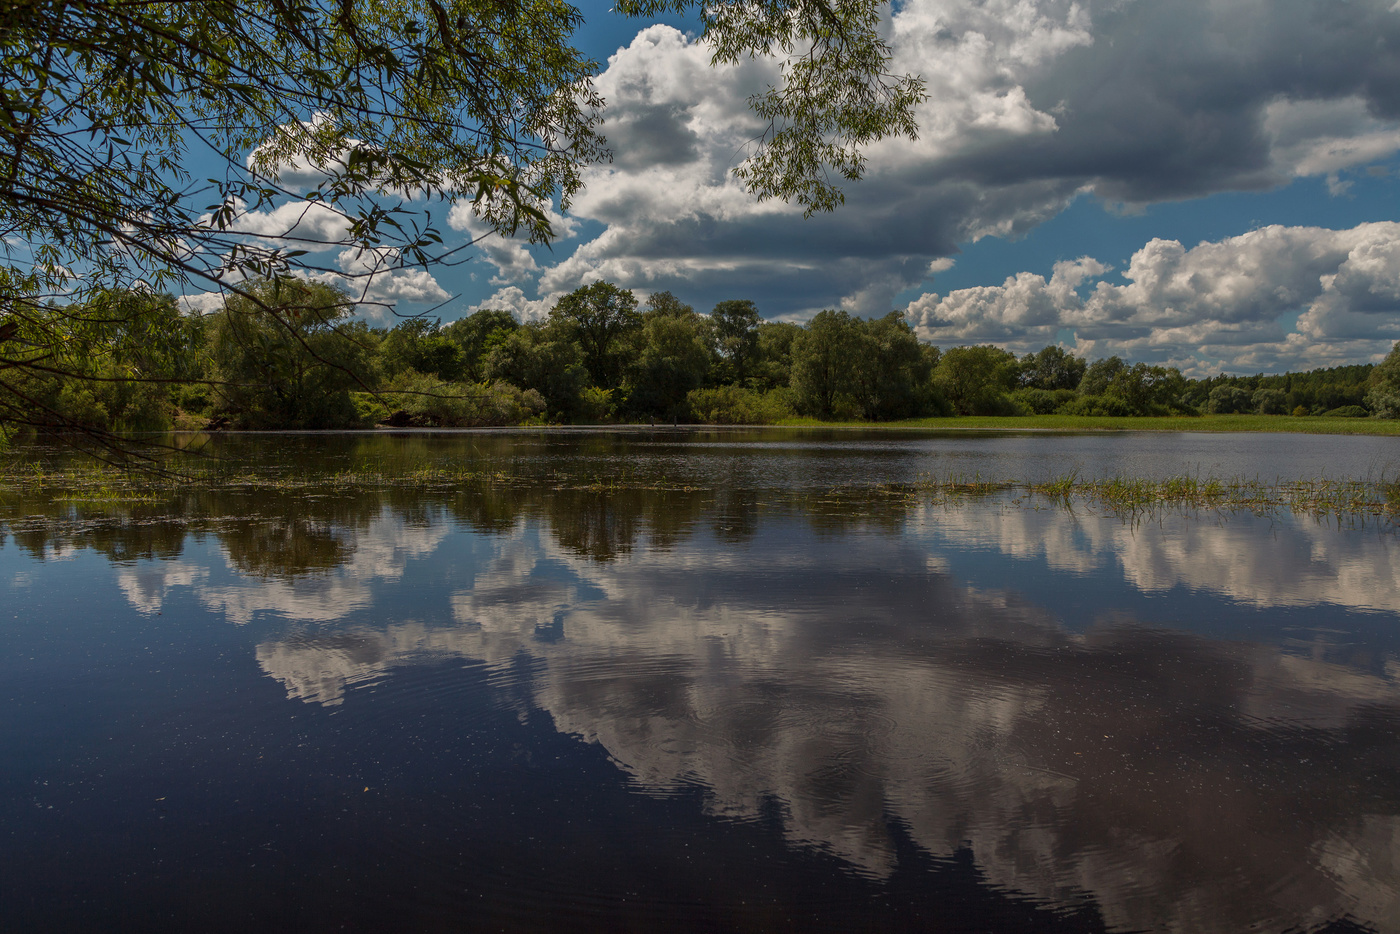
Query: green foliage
(433, 97)
(773, 366)
(736, 323)
(370, 408)
(666, 305)
(598, 317)
(1044, 401)
(826, 361)
(1383, 385)
(671, 359)
(1099, 375)
(419, 344)
(364, 112)
(541, 358)
(476, 334)
(1138, 389)
(1100, 405)
(1383, 403)
(1315, 390)
(844, 367)
(1229, 400)
(595, 404)
(108, 363)
(1149, 390)
(737, 405)
(896, 380)
(978, 380)
(1052, 368)
(287, 356)
(1270, 401)
(428, 401)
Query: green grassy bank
(1315, 425)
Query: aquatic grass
(79, 482)
(1137, 497)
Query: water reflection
(1185, 784)
(862, 665)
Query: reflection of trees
(120, 532)
(280, 533)
(592, 490)
(603, 525)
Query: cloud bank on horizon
(1031, 104)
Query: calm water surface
(700, 681)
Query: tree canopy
(355, 108)
(164, 147)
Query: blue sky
(1209, 184)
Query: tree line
(290, 354)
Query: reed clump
(1137, 496)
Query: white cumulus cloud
(1231, 302)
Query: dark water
(708, 681)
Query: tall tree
(599, 315)
(476, 334)
(1052, 368)
(672, 359)
(976, 380)
(286, 357)
(736, 336)
(826, 362)
(666, 305)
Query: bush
(596, 404)
(977, 380)
(428, 401)
(1301, 410)
(1270, 401)
(1384, 403)
(1102, 405)
(1229, 400)
(1042, 401)
(735, 405)
(1347, 411)
(369, 409)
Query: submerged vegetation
(82, 483)
(290, 354)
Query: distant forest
(290, 354)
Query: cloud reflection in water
(849, 676)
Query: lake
(698, 681)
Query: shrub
(1042, 401)
(1228, 400)
(1384, 403)
(1347, 411)
(735, 405)
(596, 404)
(1103, 405)
(1270, 401)
(428, 401)
(369, 409)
